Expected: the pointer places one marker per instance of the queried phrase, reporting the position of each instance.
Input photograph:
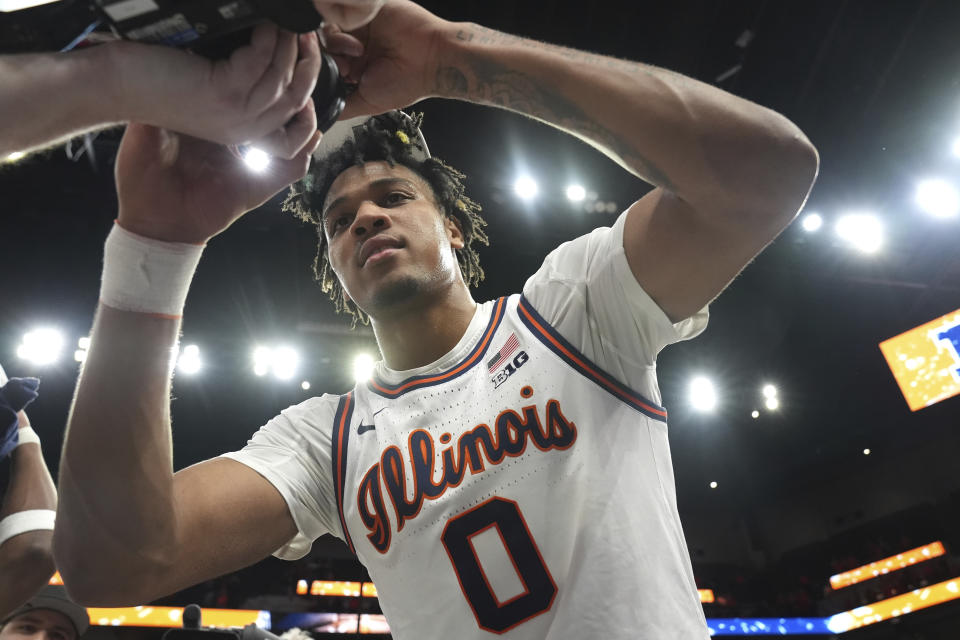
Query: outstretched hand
(393, 60)
(249, 97)
(177, 188)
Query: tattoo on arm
(487, 81)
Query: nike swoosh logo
(363, 428)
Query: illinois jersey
(519, 486)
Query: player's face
(387, 240)
(39, 624)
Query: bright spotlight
(256, 159)
(772, 403)
(363, 364)
(41, 346)
(703, 396)
(866, 452)
(188, 361)
(713, 485)
(576, 193)
(285, 362)
(769, 391)
(262, 358)
(305, 385)
(754, 414)
(812, 222)
(862, 230)
(938, 198)
(526, 188)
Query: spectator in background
(49, 615)
(30, 501)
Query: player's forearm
(31, 486)
(26, 564)
(48, 97)
(116, 521)
(702, 143)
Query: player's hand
(177, 188)
(393, 60)
(248, 97)
(348, 14)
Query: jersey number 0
(540, 589)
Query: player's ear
(454, 232)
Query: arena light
(812, 222)
(188, 361)
(363, 364)
(285, 362)
(256, 159)
(576, 193)
(703, 395)
(305, 385)
(41, 346)
(526, 188)
(706, 595)
(769, 391)
(83, 345)
(866, 452)
(713, 485)
(262, 359)
(772, 404)
(754, 414)
(939, 198)
(863, 231)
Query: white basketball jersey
(515, 487)
(518, 493)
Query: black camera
(212, 28)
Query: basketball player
(507, 470)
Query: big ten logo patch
(502, 375)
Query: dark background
(876, 87)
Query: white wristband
(146, 275)
(24, 521)
(26, 435)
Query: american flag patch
(511, 345)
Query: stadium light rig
(703, 395)
(526, 188)
(938, 198)
(863, 231)
(812, 222)
(256, 159)
(188, 361)
(41, 346)
(576, 193)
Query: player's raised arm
(731, 174)
(250, 96)
(128, 529)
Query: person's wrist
(160, 230)
(450, 44)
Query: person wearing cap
(506, 471)
(30, 500)
(48, 615)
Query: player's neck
(417, 335)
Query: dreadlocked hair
(390, 138)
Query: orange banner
(896, 606)
(147, 616)
(893, 563)
(925, 361)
